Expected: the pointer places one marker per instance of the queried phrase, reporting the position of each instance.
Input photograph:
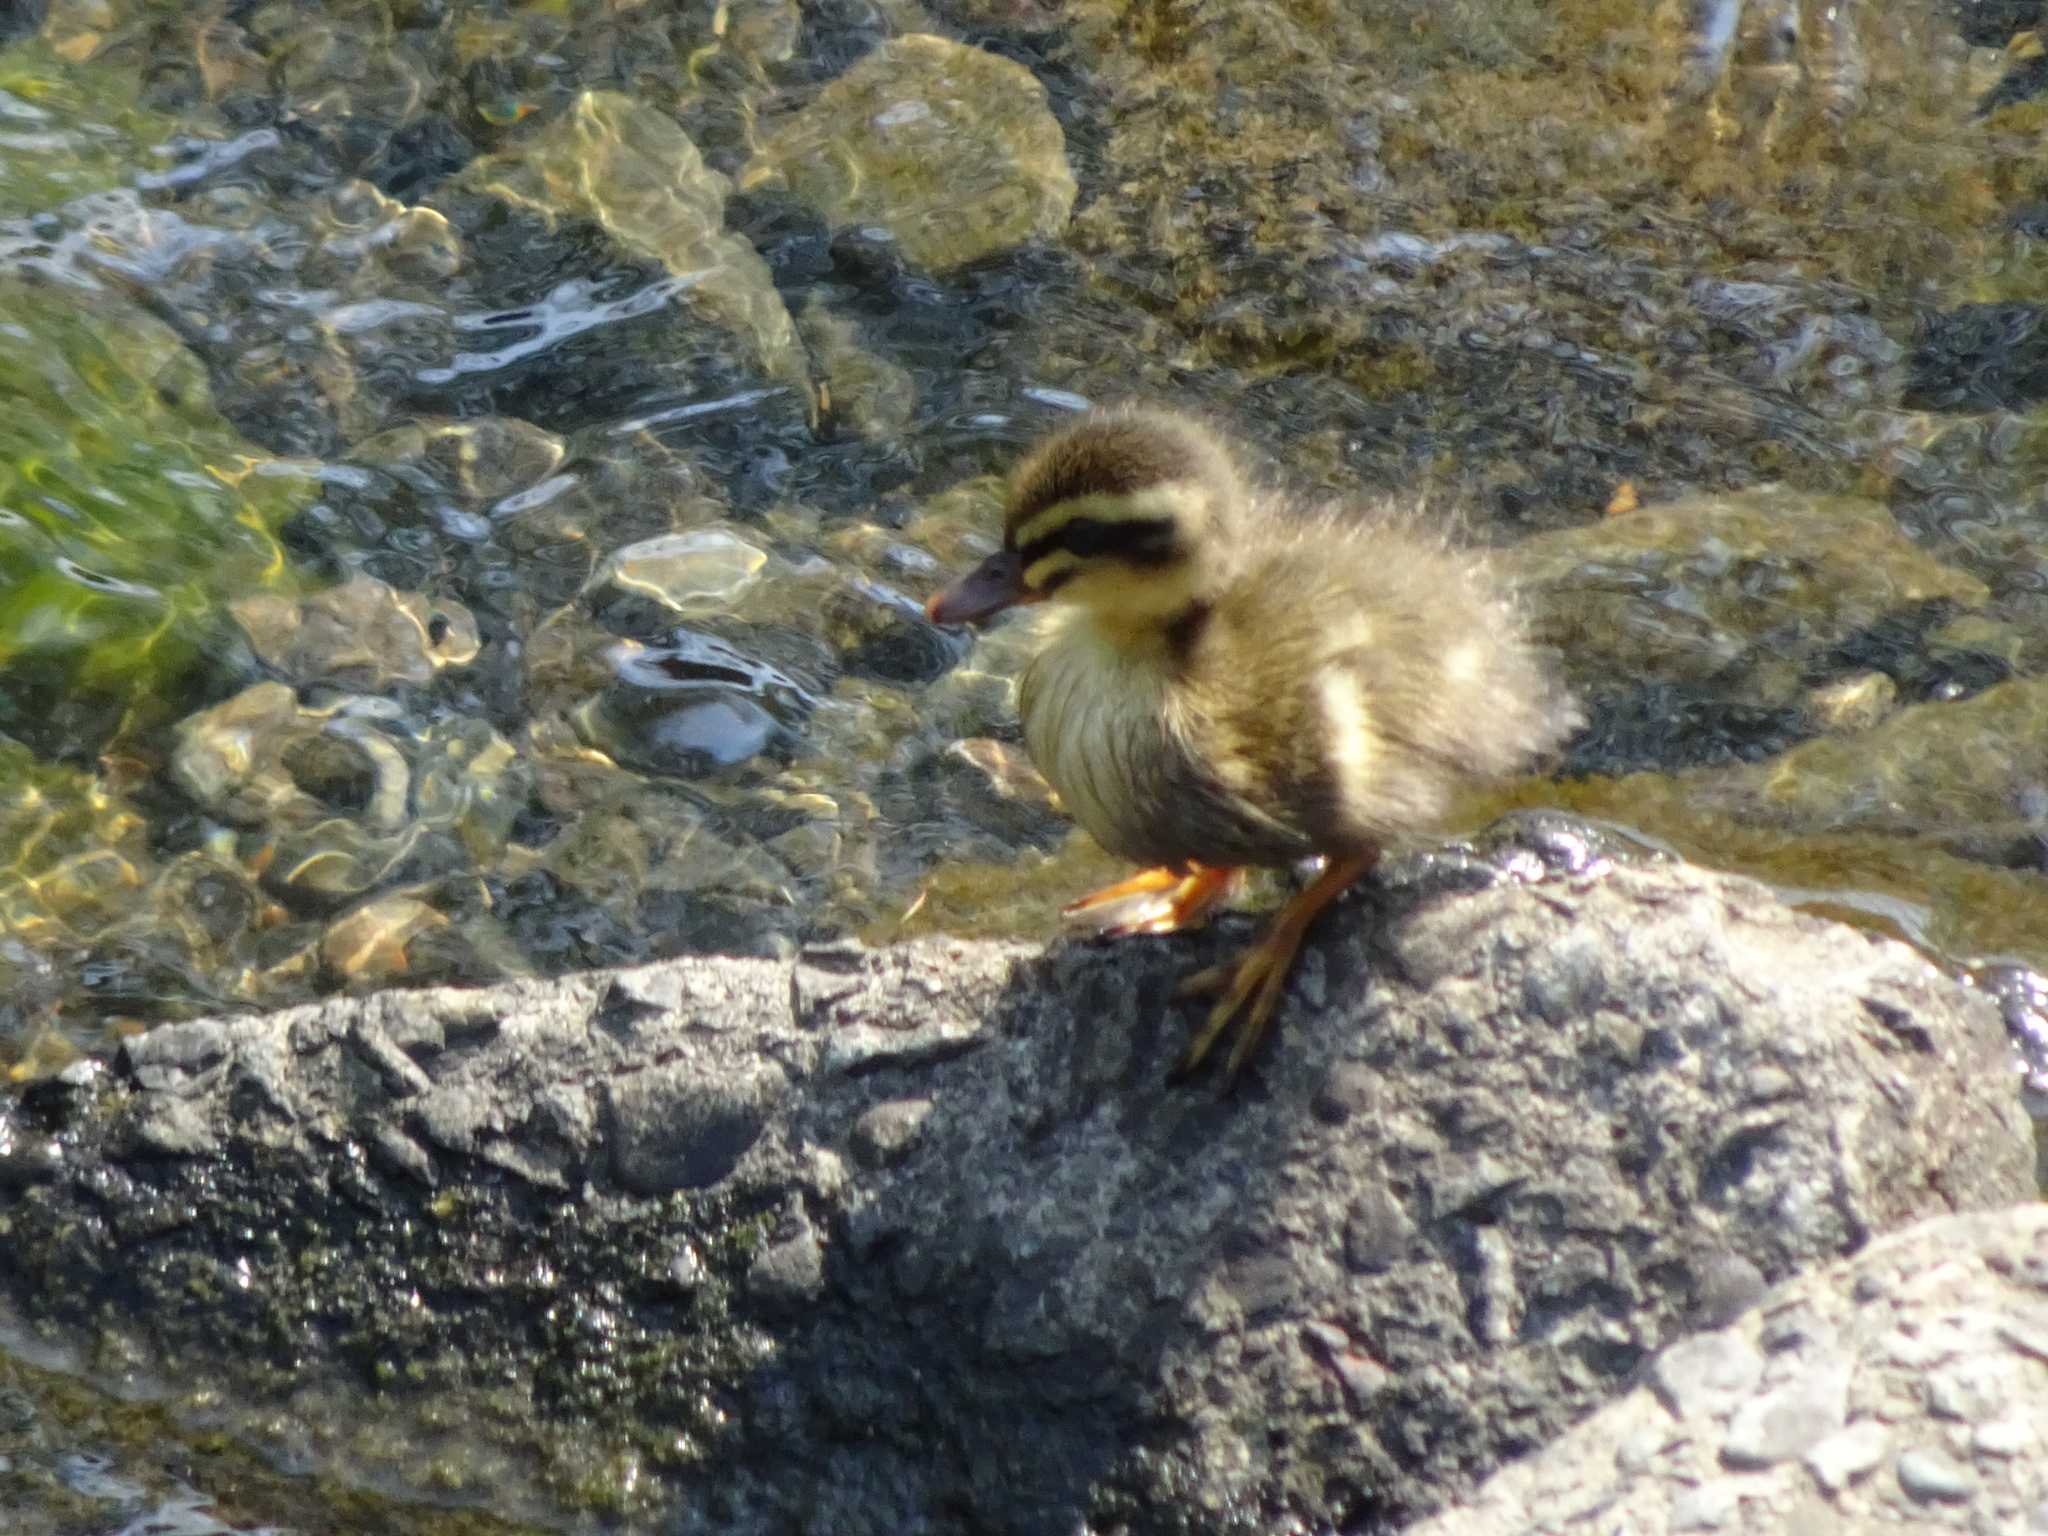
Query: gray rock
(26, 1158)
(173, 1055)
(791, 1270)
(1708, 1507)
(1712, 1372)
(1790, 1421)
(1727, 1288)
(1949, 1281)
(886, 1134)
(1847, 1454)
(1927, 1474)
(1484, 1173)
(172, 1128)
(682, 1127)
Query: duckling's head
(1123, 513)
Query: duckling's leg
(1179, 898)
(1251, 986)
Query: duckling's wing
(1361, 677)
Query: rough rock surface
(1903, 1388)
(920, 1240)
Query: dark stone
(1979, 357)
(671, 1129)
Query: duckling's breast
(1094, 724)
(1105, 723)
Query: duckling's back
(1352, 679)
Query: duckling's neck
(1145, 642)
(1184, 630)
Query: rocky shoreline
(918, 1239)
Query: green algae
(130, 513)
(497, 1347)
(68, 129)
(44, 1411)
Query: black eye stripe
(1056, 580)
(1138, 540)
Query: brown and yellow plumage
(1233, 681)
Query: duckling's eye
(1145, 541)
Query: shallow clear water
(472, 473)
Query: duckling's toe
(1252, 985)
(1207, 982)
(1251, 989)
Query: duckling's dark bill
(995, 584)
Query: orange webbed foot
(1161, 900)
(1251, 986)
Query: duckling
(1230, 679)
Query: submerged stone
(369, 946)
(338, 799)
(1902, 886)
(864, 393)
(1971, 774)
(363, 632)
(631, 170)
(476, 462)
(413, 244)
(1754, 584)
(692, 704)
(702, 570)
(953, 149)
(1980, 357)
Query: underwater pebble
(1852, 703)
(369, 944)
(476, 462)
(364, 633)
(631, 169)
(703, 570)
